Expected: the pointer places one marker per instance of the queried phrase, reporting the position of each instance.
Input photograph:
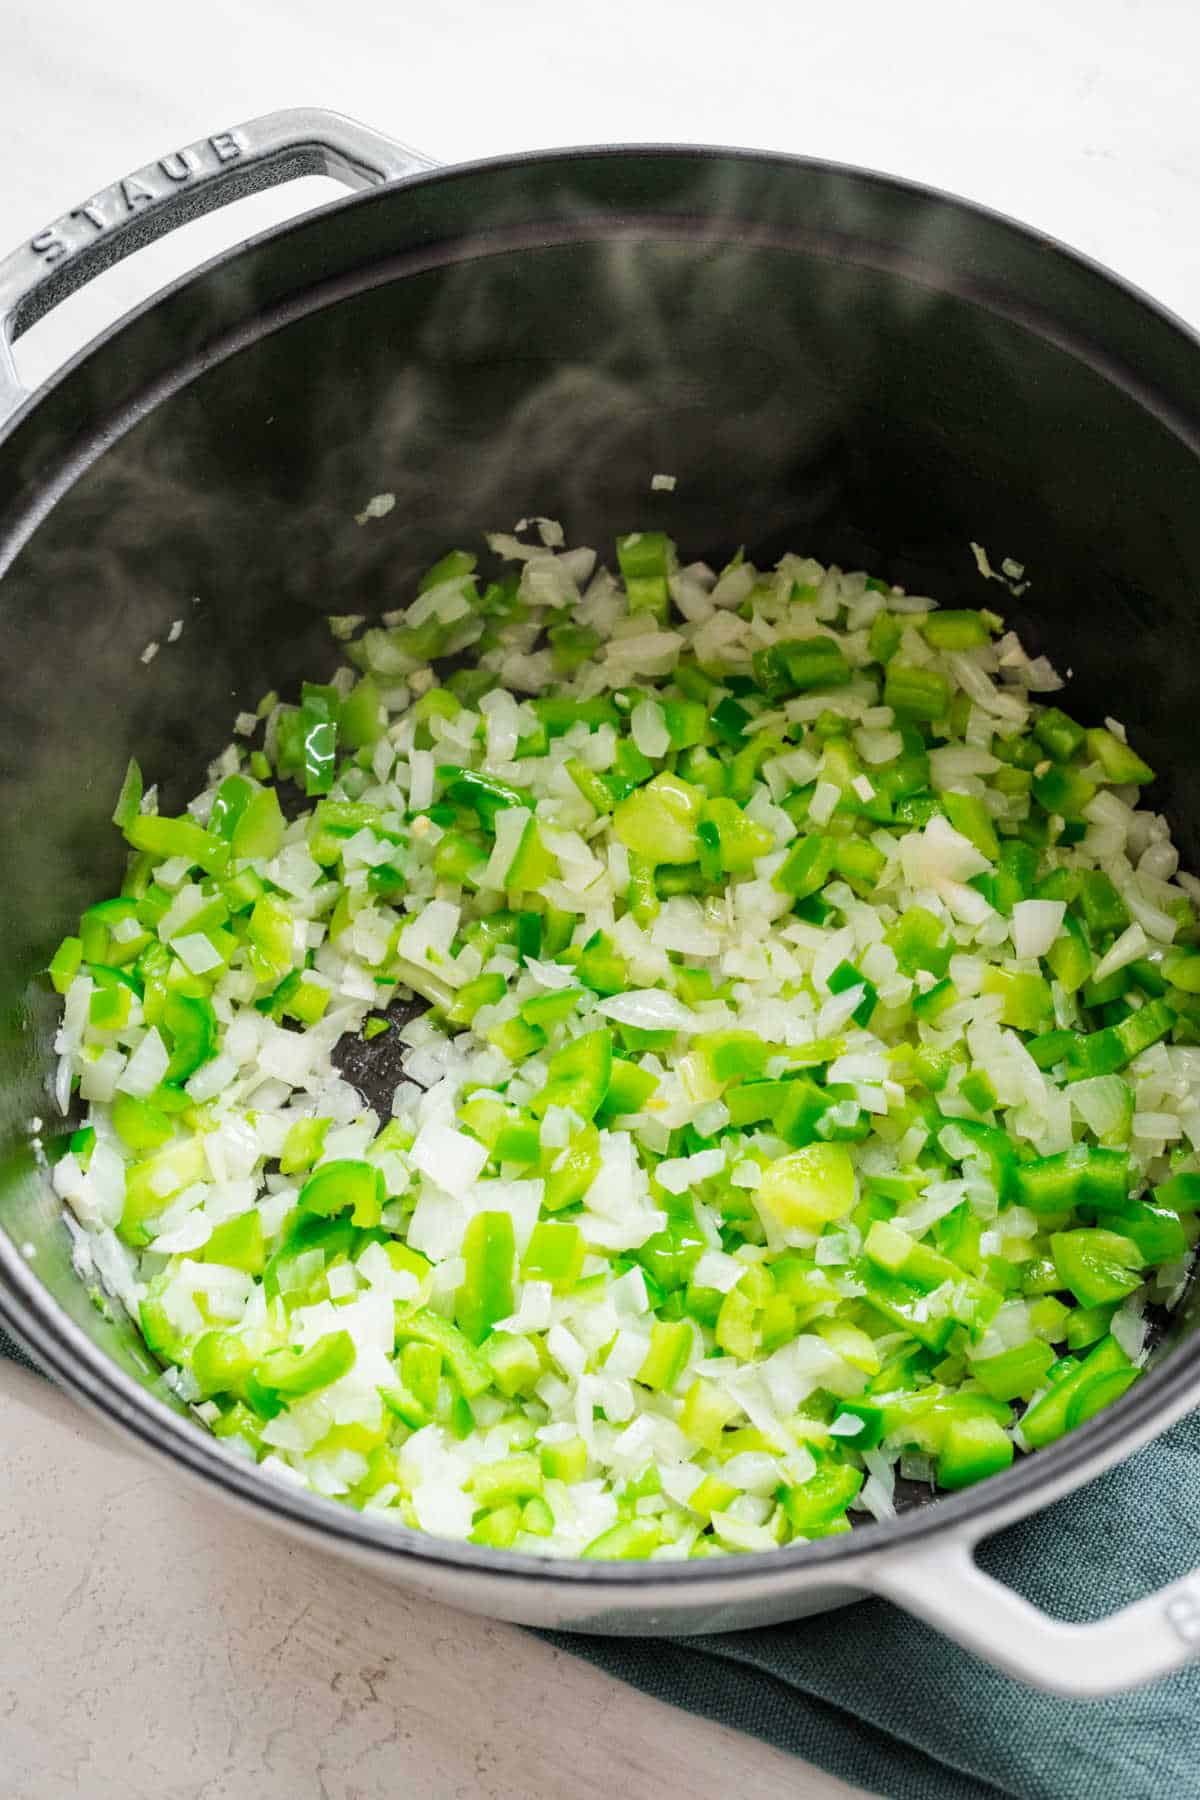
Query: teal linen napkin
(879, 1699)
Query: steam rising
(788, 343)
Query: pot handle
(278, 147)
(943, 1584)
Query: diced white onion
(648, 1009)
(449, 1158)
(1124, 950)
(146, 1068)
(1035, 925)
(494, 1106)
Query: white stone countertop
(154, 1644)
(157, 1645)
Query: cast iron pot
(826, 359)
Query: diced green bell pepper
(1058, 734)
(800, 665)
(1157, 1232)
(706, 1412)
(1121, 765)
(303, 1145)
(1102, 907)
(65, 963)
(809, 1186)
(238, 1243)
(813, 1505)
(1063, 791)
(972, 1449)
(1103, 1375)
(916, 693)
(486, 1293)
(659, 821)
(1026, 1000)
(578, 1076)
(166, 837)
(191, 1024)
(139, 1123)
(628, 1090)
(629, 1541)
(1087, 1325)
(345, 1185)
(919, 940)
(293, 1373)
(740, 841)
(555, 1253)
(1181, 1194)
(845, 977)
(968, 815)
(807, 867)
(221, 1361)
(416, 1324)
(870, 1424)
(572, 1170)
(948, 629)
(645, 559)
(1069, 959)
(513, 1360)
(885, 636)
(670, 1347)
(1099, 1267)
(565, 1461)
(1014, 1374)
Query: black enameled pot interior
(827, 361)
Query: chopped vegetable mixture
(805, 1091)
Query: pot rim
(442, 173)
(66, 1352)
(63, 1350)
